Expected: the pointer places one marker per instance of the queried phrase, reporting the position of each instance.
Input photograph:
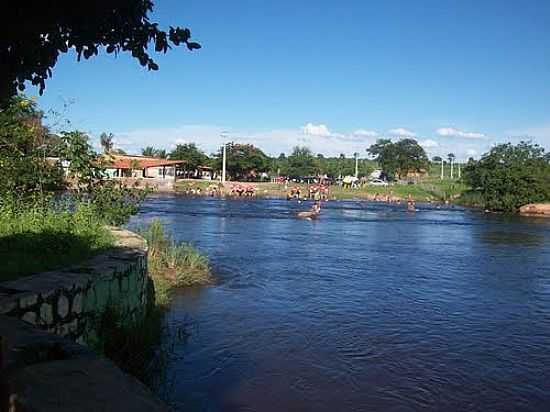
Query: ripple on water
(369, 308)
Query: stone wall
(68, 302)
(43, 372)
(47, 370)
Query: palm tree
(439, 159)
(106, 141)
(451, 158)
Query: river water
(370, 308)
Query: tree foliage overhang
(33, 33)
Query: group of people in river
(317, 193)
(240, 190)
(314, 192)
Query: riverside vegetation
(46, 223)
(136, 348)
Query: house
(126, 166)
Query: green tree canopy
(510, 176)
(150, 151)
(106, 141)
(244, 161)
(29, 53)
(193, 156)
(399, 158)
(302, 162)
(24, 145)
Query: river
(370, 308)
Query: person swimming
(410, 204)
(312, 213)
(316, 208)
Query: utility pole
(442, 171)
(224, 161)
(356, 164)
(451, 167)
(458, 165)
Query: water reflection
(370, 308)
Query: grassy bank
(172, 264)
(429, 189)
(36, 237)
(137, 348)
(190, 184)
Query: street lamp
(224, 155)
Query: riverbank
(47, 315)
(36, 238)
(427, 190)
(113, 304)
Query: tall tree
(106, 141)
(193, 156)
(399, 158)
(51, 28)
(510, 176)
(150, 151)
(244, 161)
(451, 157)
(302, 162)
(24, 145)
(439, 159)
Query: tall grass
(44, 235)
(145, 348)
(173, 264)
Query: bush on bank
(173, 264)
(36, 237)
(509, 176)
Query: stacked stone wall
(69, 302)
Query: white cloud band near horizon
(452, 132)
(318, 137)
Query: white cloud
(428, 143)
(452, 132)
(471, 152)
(118, 141)
(402, 132)
(273, 142)
(364, 133)
(316, 130)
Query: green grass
(172, 264)
(36, 238)
(182, 185)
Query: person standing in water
(316, 208)
(410, 204)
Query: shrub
(179, 264)
(38, 235)
(510, 176)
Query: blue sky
(458, 76)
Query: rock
(7, 305)
(536, 209)
(63, 306)
(77, 304)
(28, 300)
(46, 314)
(30, 317)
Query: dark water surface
(368, 309)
